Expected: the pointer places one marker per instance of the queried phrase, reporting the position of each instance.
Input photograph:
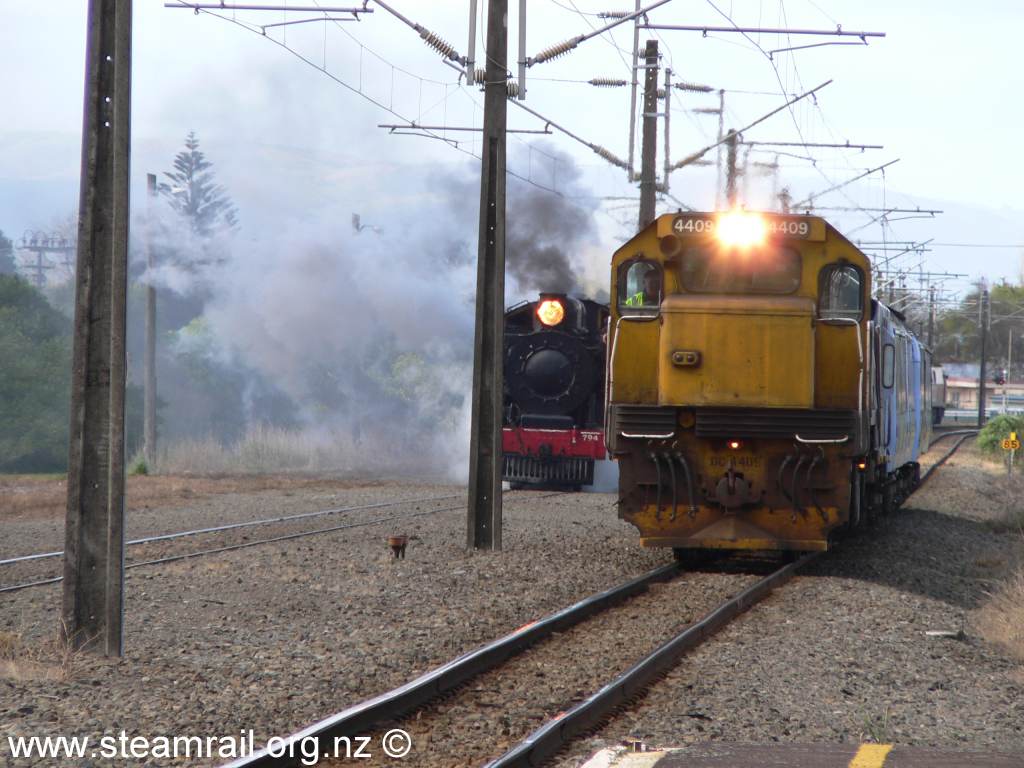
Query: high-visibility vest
(636, 300)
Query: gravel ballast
(277, 636)
(843, 654)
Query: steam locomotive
(553, 416)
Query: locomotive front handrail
(610, 379)
(828, 441)
(860, 360)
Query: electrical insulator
(513, 87)
(661, 93)
(439, 44)
(480, 75)
(683, 86)
(606, 82)
(556, 50)
(613, 14)
(607, 155)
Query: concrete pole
(718, 160)
(931, 318)
(983, 329)
(485, 457)
(649, 149)
(632, 97)
(92, 610)
(730, 171)
(149, 357)
(667, 165)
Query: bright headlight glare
(550, 312)
(740, 229)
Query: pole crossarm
(932, 211)
(837, 32)
(691, 159)
(224, 6)
(847, 145)
(810, 200)
(596, 148)
(413, 125)
(564, 47)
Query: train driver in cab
(650, 295)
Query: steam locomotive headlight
(550, 312)
(739, 229)
(734, 445)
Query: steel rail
(360, 718)
(543, 743)
(244, 545)
(245, 524)
(963, 437)
(551, 737)
(258, 542)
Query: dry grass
(28, 496)
(48, 660)
(1001, 619)
(267, 449)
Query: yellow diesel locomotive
(758, 397)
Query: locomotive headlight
(739, 229)
(550, 312)
(735, 445)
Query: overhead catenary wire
(596, 148)
(359, 92)
(701, 152)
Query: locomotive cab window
(767, 269)
(888, 365)
(840, 293)
(641, 287)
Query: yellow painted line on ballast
(871, 756)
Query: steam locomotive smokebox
(553, 419)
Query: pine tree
(7, 264)
(194, 194)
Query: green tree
(7, 265)
(958, 338)
(194, 193)
(35, 346)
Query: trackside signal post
(483, 529)
(94, 550)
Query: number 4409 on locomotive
(553, 416)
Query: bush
(138, 465)
(990, 439)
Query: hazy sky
(941, 92)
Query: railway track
(451, 696)
(158, 554)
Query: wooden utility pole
(730, 171)
(485, 457)
(149, 358)
(94, 549)
(649, 148)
